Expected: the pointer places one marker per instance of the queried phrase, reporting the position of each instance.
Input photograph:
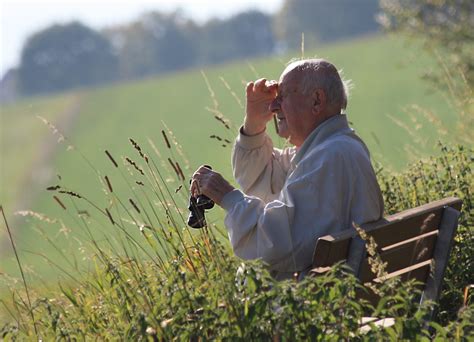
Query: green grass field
(385, 72)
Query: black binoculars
(197, 207)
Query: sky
(21, 18)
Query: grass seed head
(131, 162)
(70, 193)
(109, 185)
(56, 198)
(174, 167)
(166, 139)
(111, 158)
(180, 171)
(135, 145)
(134, 205)
(110, 216)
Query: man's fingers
(199, 180)
(195, 188)
(259, 84)
(210, 183)
(262, 86)
(249, 88)
(272, 85)
(203, 169)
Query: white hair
(321, 74)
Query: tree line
(65, 56)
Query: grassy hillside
(386, 77)
(23, 139)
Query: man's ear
(319, 100)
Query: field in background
(386, 74)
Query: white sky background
(21, 18)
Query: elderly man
(290, 197)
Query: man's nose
(274, 105)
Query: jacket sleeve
(258, 167)
(282, 232)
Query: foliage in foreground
(167, 284)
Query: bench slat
(398, 231)
(403, 255)
(419, 272)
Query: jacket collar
(336, 124)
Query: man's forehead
(289, 79)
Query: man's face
(293, 109)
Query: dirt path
(40, 171)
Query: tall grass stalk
(30, 309)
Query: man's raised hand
(260, 95)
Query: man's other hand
(260, 95)
(210, 183)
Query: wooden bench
(414, 243)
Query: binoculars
(197, 207)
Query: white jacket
(293, 196)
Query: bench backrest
(414, 243)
